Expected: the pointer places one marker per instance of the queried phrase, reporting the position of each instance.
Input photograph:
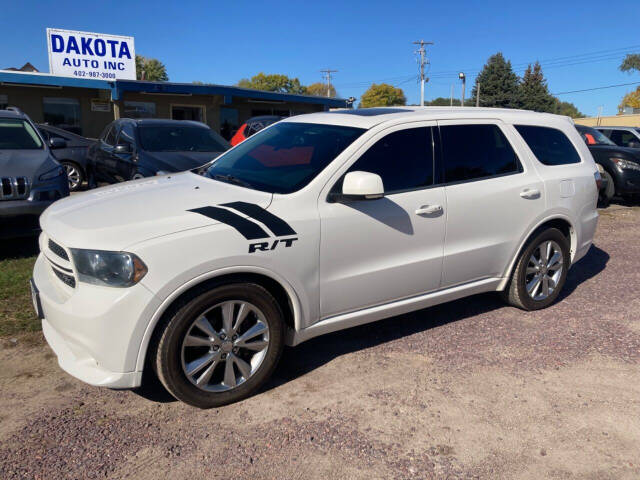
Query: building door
(228, 122)
(188, 112)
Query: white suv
(317, 223)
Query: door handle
(530, 193)
(429, 210)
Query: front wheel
(221, 346)
(74, 174)
(540, 272)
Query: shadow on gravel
(316, 352)
(19, 247)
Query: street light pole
(462, 77)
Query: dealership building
(85, 105)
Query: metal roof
(118, 87)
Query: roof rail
(14, 109)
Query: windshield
(180, 138)
(17, 134)
(283, 158)
(591, 136)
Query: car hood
(23, 163)
(609, 151)
(114, 217)
(176, 161)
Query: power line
(597, 88)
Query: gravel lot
(470, 389)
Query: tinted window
(127, 135)
(283, 158)
(110, 138)
(591, 136)
(16, 134)
(476, 151)
(403, 159)
(623, 138)
(179, 138)
(549, 145)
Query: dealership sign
(91, 55)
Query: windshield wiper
(231, 179)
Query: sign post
(91, 55)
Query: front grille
(14, 188)
(64, 278)
(58, 250)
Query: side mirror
(362, 186)
(57, 142)
(122, 148)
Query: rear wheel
(540, 272)
(221, 346)
(137, 176)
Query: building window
(139, 110)
(62, 113)
(4, 102)
(228, 122)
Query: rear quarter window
(550, 145)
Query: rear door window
(473, 152)
(110, 137)
(550, 145)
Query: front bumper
(628, 182)
(20, 217)
(94, 331)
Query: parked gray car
(31, 178)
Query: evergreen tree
(534, 93)
(498, 84)
(150, 69)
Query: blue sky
(367, 41)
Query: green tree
(150, 69)
(273, 83)
(498, 84)
(631, 99)
(567, 108)
(382, 95)
(534, 92)
(446, 102)
(631, 62)
(319, 89)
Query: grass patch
(16, 266)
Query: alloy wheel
(544, 270)
(225, 346)
(74, 175)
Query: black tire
(168, 354)
(516, 292)
(78, 175)
(610, 189)
(137, 176)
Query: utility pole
(451, 101)
(462, 77)
(478, 96)
(327, 74)
(423, 61)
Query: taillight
(598, 179)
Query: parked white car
(317, 223)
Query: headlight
(112, 269)
(56, 172)
(626, 164)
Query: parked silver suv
(31, 179)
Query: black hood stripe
(278, 226)
(250, 230)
